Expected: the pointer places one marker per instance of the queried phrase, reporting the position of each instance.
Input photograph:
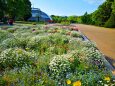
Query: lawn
(42, 55)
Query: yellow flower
(77, 83)
(107, 79)
(68, 82)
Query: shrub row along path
(104, 38)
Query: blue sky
(67, 7)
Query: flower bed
(50, 56)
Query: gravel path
(104, 38)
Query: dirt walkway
(104, 38)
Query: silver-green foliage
(4, 35)
(16, 58)
(59, 67)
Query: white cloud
(95, 1)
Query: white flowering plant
(4, 35)
(16, 58)
(75, 34)
(59, 67)
(48, 55)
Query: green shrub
(59, 67)
(11, 58)
(11, 30)
(38, 42)
(65, 23)
(15, 42)
(4, 35)
(111, 22)
(10, 42)
(88, 44)
(91, 78)
(75, 34)
(94, 56)
(27, 76)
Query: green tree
(86, 18)
(58, 19)
(79, 20)
(103, 13)
(111, 21)
(2, 8)
(12, 6)
(26, 9)
(15, 9)
(113, 7)
(72, 19)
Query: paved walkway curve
(104, 38)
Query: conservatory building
(38, 15)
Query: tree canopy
(16, 9)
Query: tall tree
(2, 8)
(12, 6)
(111, 21)
(15, 8)
(103, 13)
(72, 19)
(27, 9)
(113, 7)
(86, 18)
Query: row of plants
(37, 55)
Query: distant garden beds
(30, 22)
(40, 55)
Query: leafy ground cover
(39, 55)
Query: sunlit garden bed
(36, 55)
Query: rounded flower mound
(10, 42)
(59, 67)
(4, 35)
(77, 83)
(75, 34)
(88, 44)
(93, 56)
(37, 41)
(16, 58)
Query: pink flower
(75, 28)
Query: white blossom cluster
(93, 55)
(59, 66)
(75, 34)
(4, 35)
(88, 44)
(16, 58)
(10, 42)
(34, 40)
